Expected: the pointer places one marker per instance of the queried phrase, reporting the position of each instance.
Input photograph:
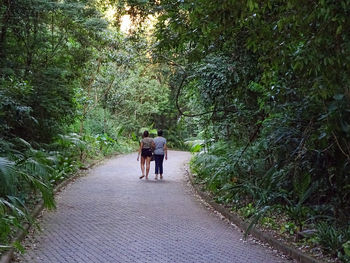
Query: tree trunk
(85, 111)
(4, 27)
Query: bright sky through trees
(125, 24)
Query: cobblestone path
(111, 215)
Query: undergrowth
(272, 195)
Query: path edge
(21, 234)
(265, 237)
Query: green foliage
(245, 185)
(138, 99)
(43, 47)
(24, 171)
(43, 44)
(7, 177)
(150, 130)
(289, 227)
(269, 222)
(268, 85)
(72, 89)
(195, 145)
(247, 211)
(27, 174)
(11, 211)
(346, 247)
(333, 239)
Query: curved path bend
(112, 216)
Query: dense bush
(43, 46)
(28, 175)
(267, 83)
(72, 88)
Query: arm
(165, 152)
(139, 153)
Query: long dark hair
(145, 134)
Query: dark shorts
(146, 152)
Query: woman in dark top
(146, 146)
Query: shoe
(161, 177)
(142, 176)
(156, 178)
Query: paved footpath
(111, 215)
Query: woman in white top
(160, 152)
(145, 150)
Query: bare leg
(148, 164)
(142, 166)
